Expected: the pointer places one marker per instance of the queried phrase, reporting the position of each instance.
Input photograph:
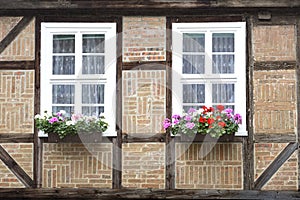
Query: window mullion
(78, 69)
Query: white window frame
(238, 78)
(108, 78)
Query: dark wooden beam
(298, 91)
(108, 194)
(15, 168)
(14, 32)
(275, 65)
(16, 138)
(275, 138)
(151, 65)
(170, 141)
(16, 65)
(117, 142)
(138, 4)
(137, 137)
(275, 165)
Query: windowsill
(41, 134)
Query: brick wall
(16, 101)
(77, 165)
(143, 165)
(144, 39)
(286, 177)
(209, 166)
(275, 101)
(22, 47)
(143, 101)
(22, 153)
(274, 43)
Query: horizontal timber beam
(16, 65)
(16, 138)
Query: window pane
(193, 42)
(223, 42)
(63, 43)
(69, 109)
(93, 65)
(223, 64)
(63, 94)
(93, 43)
(63, 65)
(193, 93)
(93, 94)
(193, 64)
(223, 93)
(92, 110)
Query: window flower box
(77, 129)
(207, 123)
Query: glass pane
(93, 94)
(93, 65)
(193, 42)
(63, 94)
(93, 43)
(193, 93)
(69, 109)
(63, 43)
(92, 110)
(223, 93)
(223, 64)
(193, 64)
(63, 65)
(223, 42)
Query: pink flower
(53, 119)
(188, 118)
(167, 123)
(190, 125)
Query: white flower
(63, 112)
(69, 123)
(38, 116)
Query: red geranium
(202, 119)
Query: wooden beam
(15, 168)
(108, 194)
(14, 32)
(275, 165)
(275, 65)
(138, 4)
(133, 138)
(275, 138)
(154, 65)
(16, 138)
(298, 91)
(16, 65)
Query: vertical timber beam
(248, 146)
(297, 91)
(117, 142)
(38, 144)
(170, 142)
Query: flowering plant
(61, 125)
(215, 122)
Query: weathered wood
(275, 165)
(93, 193)
(63, 4)
(138, 137)
(16, 138)
(298, 92)
(248, 145)
(15, 168)
(170, 142)
(275, 138)
(16, 65)
(275, 65)
(14, 32)
(161, 65)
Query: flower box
(79, 138)
(207, 138)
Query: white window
(209, 67)
(78, 69)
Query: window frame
(48, 29)
(238, 77)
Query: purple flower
(53, 119)
(228, 110)
(167, 123)
(191, 110)
(176, 121)
(238, 118)
(59, 114)
(188, 118)
(190, 125)
(176, 117)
